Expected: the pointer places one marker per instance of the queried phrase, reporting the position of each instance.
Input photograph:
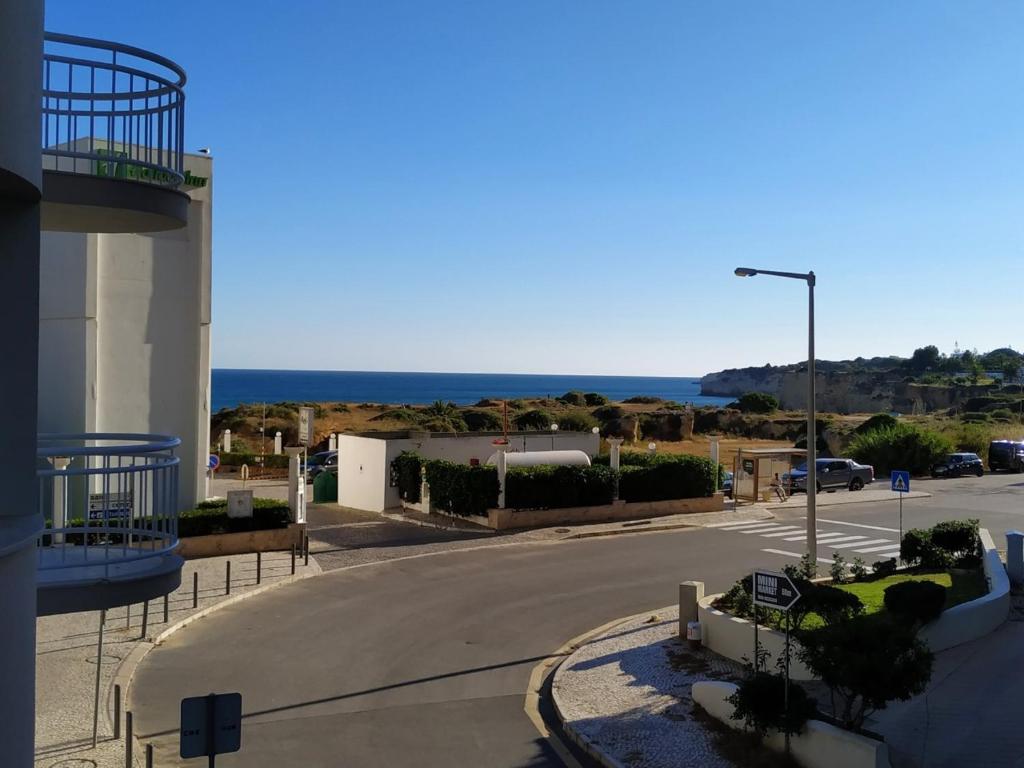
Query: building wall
(364, 463)
(125, 325)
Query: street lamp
(812, 445)
(554, 428)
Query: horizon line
(464, 373)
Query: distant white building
(124, 332)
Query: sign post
(211, 725)
(775, 590)
(900, 480)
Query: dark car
(1006, 454)
(727, 485)
(832, 473)
(959, 464)
(320, 462)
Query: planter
(215, 545)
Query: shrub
(594, 398)
(664, 477)
(883, 568)
(878, 421)
(553, 487)
(407, 476)
(858, 570)
(903, 446)
(481, 421)
(973, 438)
(573, 397)
(866, 662)
(949, 543)
(517, 404)
(609, 412)
(461, 489)
(975, 418)
(759, 701)
(915, 601)
(577, 422)
(1001, 414)
(838, 569)
(834, 605)
(404, 415)
(643, 400)
(444, 424)
(535, 420)
(211, 518)
(756, 402)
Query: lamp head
(744, 272)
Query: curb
(126, 669)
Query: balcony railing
(110, 502)
(112, 110)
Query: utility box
(239, 503)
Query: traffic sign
(306, 425)
(900, 481)
(213, 462)
(211, 725)
(774, 590)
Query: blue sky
(566, 187)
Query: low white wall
(733, 637)
(974, 619)
(821, 745)
(362, 473)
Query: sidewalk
(66, 649)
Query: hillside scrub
(904, 446)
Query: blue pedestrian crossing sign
(900, 481)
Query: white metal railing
(108, 499)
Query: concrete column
(60, 498)
(21, 46)
(227, 441)
(690, 593)
(277, 444)
(332, 442)
(294, 480)
(500, 461)
(614, 451)
(714, 449)
(1015, 557)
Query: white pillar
(227, 441)
(501, 475)
(615, 449)
(60, 498)
(714, 449)
(294, 480)
(332, 442)
(277, 444)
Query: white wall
(125, 334)
(370, 488)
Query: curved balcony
(110, 502)
(113, 125)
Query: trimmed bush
(663, 477)
(210, 518)
(481, 421)
(532, 420)
(553, 487)
(594, 398)
(577, 422)
(407, 476)
(878, 421)
(915, 601)
(461, 489)
(944, 545)
(903, 446)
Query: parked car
(320, 462)
(832, 473)
(727, 485)
(1006, 454)
(959, 464)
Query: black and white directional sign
(774, 590)
(211, 725)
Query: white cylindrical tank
(537, 458)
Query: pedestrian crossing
(851, 539)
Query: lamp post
(554, 428)
(812, 438)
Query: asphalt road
(425, 661)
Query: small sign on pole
(306, 425)
(211, 725)
(900, 480)
(775, 590)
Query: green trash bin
(325, 488)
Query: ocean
(232, 386)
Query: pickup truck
(832, 473)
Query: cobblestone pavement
(627, 693)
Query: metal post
(753, 587)
(127, 616)
(211, 723)
(195, 589)
(293, 558)
(167, 611)
(227, 578)
(901, 528)
(149, 756)
(99, 669)
(117, 712)
(145, 619)
(128, 756)
(812, 437)
(259, 567)
(785, 704)
(305, 538)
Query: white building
(364, 461)
(124, 331)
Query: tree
(756, 402)
(925, 358)
(1011, 371)
(975, 370)
(866, 663)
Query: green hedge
(461, 489)
(407, 476)
(211, 517)
(662, 477)
(551, 487)
(237, 459)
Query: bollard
(195, 589)
(1015, 557)
(259, 567)
(227, 578)
(127, 615)
(293, 558)
(145, 619)
(305, 560)
(128, 740)
(167, 611)
(117, 711)
(149, 756)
